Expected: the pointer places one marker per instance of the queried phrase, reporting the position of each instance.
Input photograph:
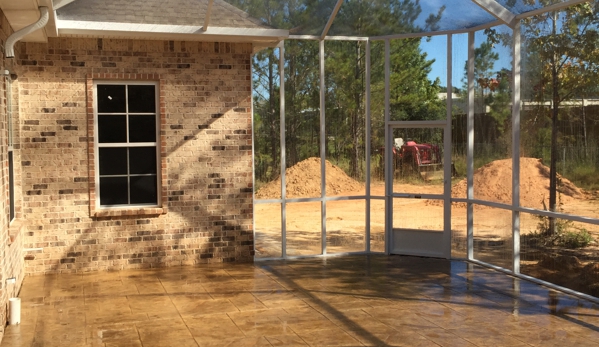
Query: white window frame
(155, 144)
(10, 151)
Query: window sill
(14, 230)
(142, 211)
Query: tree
(345, 74)
(413, 95)
(484, 81)
(500, 99)
(562, 52)
(492, 94)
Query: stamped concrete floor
(346, 301)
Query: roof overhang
(22, 13)
(258, 36)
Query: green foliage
(576, 239)
(565, 234)
(562, 233)
(585, 176)
(413, 95)
(492, 93)
(459, 163)
(500, 99)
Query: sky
(458, 14)
(436, 48)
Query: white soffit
(169, 32)
(21, 13)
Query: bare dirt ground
(345, 220)
(303, 181)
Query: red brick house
(126, 135)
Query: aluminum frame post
(323, 177)
(470, 150)
(388, 154)
(447, 154)
(283, 150)
(368, 149)
(516, 108)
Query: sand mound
(493, 182)
(303, 180)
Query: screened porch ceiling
(307, 19)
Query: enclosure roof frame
(497, 10)
(503, 15)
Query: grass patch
(584, 176)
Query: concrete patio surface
(342, 301)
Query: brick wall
(11, 234)
(207, 156)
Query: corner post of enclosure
(323, 177)
(516, 108)
(253, 150)
(283, 151)
(470, 149)
(368, 147)
(447, 152)
(388, 154)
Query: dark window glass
(113, 161)
(142, 160)
(112, 129)
(142, 128)
(113, 190)
(111, 99)
(143, 190)
(142, 99)
(127, 115)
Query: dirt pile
(493, 182)
(303, 180)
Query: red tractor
(424, 159)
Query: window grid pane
(112, 128)
(114, 190)
(127, 144)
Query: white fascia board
(497, 10)
(168, 32)
(259, 46)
